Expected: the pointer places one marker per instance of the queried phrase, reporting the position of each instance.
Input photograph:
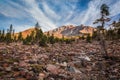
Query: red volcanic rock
(52, 68)
(16, 74)
(41, 76)
(5, 65)
(22, 64)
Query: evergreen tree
(32, 35)
(8, 38)
(3, 36)
(118, 33)
(27, 40)
(43, 41)
(88, 38)
(104, 13)
(116, 26)
(94, 35)
(83, 37)
(11, 29)
(57, 39)
(48, 34)
(110, 34)
(37, 26)
(13, 34)
(63, 38)
(20, 38)
(39, 33)
(48, 37)
(52, 40)
(68, 41)
(14, 38)
(0, 34)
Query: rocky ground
(76, 61)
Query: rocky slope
(76, 61)
(26, 32)
(71, 30)
(67, 31)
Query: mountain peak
(71, 30)
(66, 31)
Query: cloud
(88, 16)
(49, 12)
(37, 14)
(54, 13)
(12, 9)
(19, 28)
(115, 9)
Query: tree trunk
(103, 44)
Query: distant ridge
(26, 32)
(71, 31)
(66, 31)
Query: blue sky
(51, 14)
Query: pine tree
(20, 38)
(32, 37)
(27, 40)
(63, 39)
(57, 39)
(3, 36)
(83, 37)
(11, 29)
(116, 26)
(118, 33)
(52, 40)
(37, 26)
(104, 10)
(43, 41)
(88, 38)
(14, 38)
(110, 34)
(13, 34)
(95, 35)
(48, 37)
(68, 41)
(8, 38)
(0, 33)
(39, 33)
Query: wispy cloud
(115, 8)
(39, 16)
(19, 28)
(49, 12)
(54, 13)
(13, 10)
(89, 15)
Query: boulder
(52, 68)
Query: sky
(50, 14)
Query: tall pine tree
(39, 33)
(104, 10)
(20, 37)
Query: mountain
(26, 32)
(66, 31)
(71, 31)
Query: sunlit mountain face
(51, 14)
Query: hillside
(67, 31)
(26, 32)
(83, 61)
